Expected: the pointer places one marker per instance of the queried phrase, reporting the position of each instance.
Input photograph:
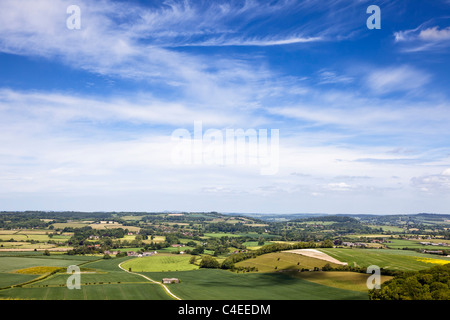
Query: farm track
(153, 281)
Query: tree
(327, 267)
(198, 250)
(209, 262)
(428, 284)
(327, 244)
(261, 241)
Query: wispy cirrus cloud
(392, 79)
(433, 183)
(231, 64)
(428, 36)
(137, 43)
(261, 42)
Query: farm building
(148, 254)
(111, 252)
(433, 252)
(170, 280)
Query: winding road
(151, 280)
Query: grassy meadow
(278, 261)
(160, 262)
(104, 281)
(343, 280)
(404, 260)
(214, 284)
(413, 244)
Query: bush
(209, 262)
(429, 284)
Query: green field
(9, 279)
(160, 262)
(343, 280)
(221, 234)
(70, 225)
(10, 264)
(388, 228)
(214, 284)
(25, 245)
(175, 249)
(254, 235)
(277, 261)
(400, 243)
(106, 282)
(24, 237)
(253, 245)
(404, 260)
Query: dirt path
(151, 280)
(316, 254)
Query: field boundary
(151, 280)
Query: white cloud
(339, 186)
(403, 78)
(257, 42)
(434, 34)
(435, 183)
(327, 77)
(60, 143)
(57, 109)
(423, 38)
(422, 33)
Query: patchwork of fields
(213, 284)
(105, 280)
(260, 261)
(29, 240)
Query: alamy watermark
(227, 147)
(74, 281)
(374, 21)
(374, 281)
(73, 22)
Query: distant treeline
(32, 219)
(329, 218)
(231, 228)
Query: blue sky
(87, 116)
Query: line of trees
(230, 261)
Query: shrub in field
(209, 262)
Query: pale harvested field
(316, 254)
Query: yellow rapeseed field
(434, 261)
(38, 270)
